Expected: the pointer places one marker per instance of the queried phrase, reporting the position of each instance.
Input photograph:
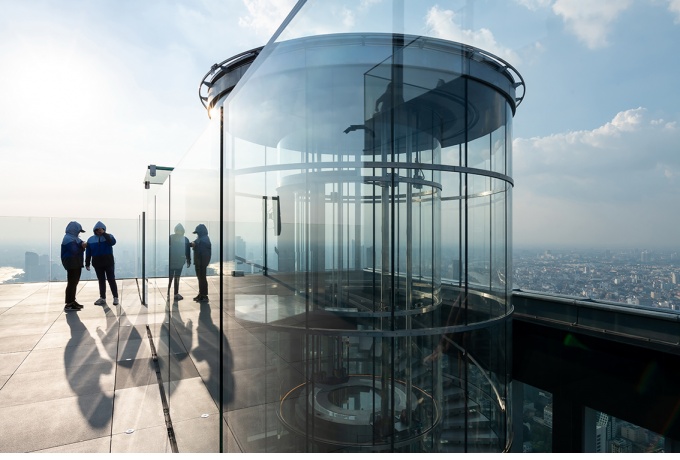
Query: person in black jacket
(100, 251)
(72, 249)
(202, 252)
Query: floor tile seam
(100, 361)
(24, 314)
(33, 347)
(176, 419)
(38, 451)
(73, 396)
(69, 444)
(118, 433)
(24, 296)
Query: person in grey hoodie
(202, 252)
(72, 249)
(100, 252)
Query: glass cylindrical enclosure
(367, 215)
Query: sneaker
(71, 307)
(100, 301)
(178, 297)
(115, 300)
(76, 304)
(196, 298)
(203, 298)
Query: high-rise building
(603, 433)
(31, 266)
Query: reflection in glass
(613, 435)
(365, 213)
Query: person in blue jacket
(100, 252)
(72, 249)
(202, 252)
(179, 253)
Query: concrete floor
(86, 381)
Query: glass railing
(30, 247)
(652, 326)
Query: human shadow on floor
(176, 337)
(208, 350)
(130, 336)
(84, 366)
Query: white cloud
(445, 24)
(534, 5)
(348, 18)
(590, 20)
(315, 18)
(265, 16)
(621, 178)
(674, 7)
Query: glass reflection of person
(202, 252)
(179, 253)
(388, 99)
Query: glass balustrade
(30, 247)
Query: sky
(93, 91)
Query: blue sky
(93, 91)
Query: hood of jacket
(73, 230)
(99, 224)
(179, 229)
(201, 230)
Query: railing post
(264, 231)
(143, 257)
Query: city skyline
(94, 92)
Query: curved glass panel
(366, 180)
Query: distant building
(621, 446)
(603, 432)
(32, 268)
(548, 415)
(634, 433)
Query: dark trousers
(201, 273)
(103, 274)
(72, 280)
(174, 275)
